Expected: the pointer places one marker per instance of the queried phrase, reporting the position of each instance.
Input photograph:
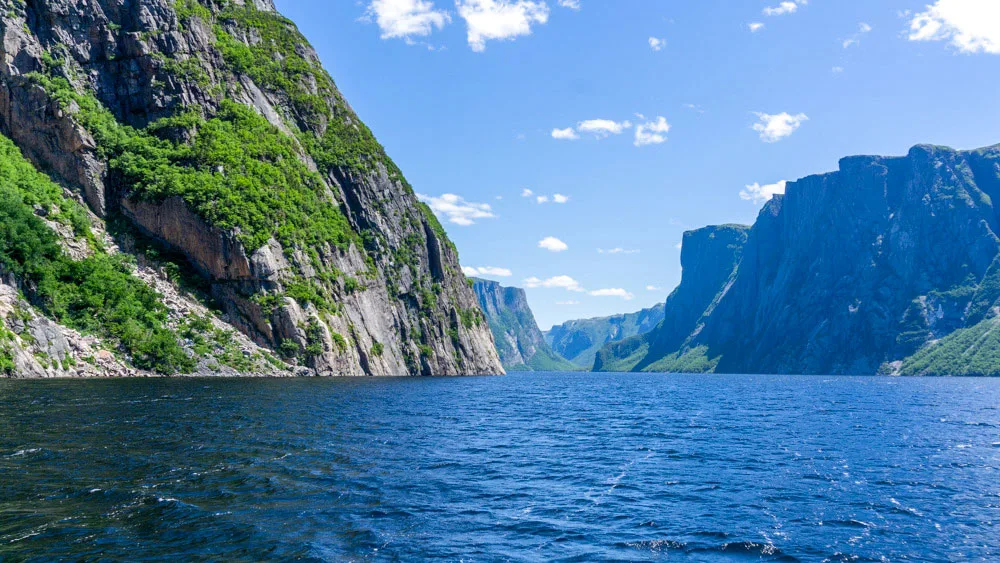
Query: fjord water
(523, 467)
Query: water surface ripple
(529, 467)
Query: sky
(566, 145)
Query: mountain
(579, 340)
(521, 345)
(196, 152)
(890, 264)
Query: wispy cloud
(552, 244)
(773, 128)
(487, 271)
(970, 26)
(653, 288)
(760, 194)
(560, 198)
(613, 292)
(863, 29)
(500, 20)
(455, 209)
(567, 303)
(556, 282)
(571, 4)
(405, 19)
(657, 44)
(754, 27)
(617, 250)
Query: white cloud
(971, 26)
(603, 127)
(552, 244)
(653, 288)
(487, 271)
(567, 303)
(571, 4)
(559, 198)
(617, 250)
(787, 7)
(760, 194)
(754, 27)
(695, 108)
(652, 132)
(657, 44)
(863, 28)
(456, 210)
(567, 134)
(613, 292)
(501, 20)
(557, 282)
(773, 128)
(837, 69)
(542, 199)
(679, 245)
(527, 193)
(406, 18)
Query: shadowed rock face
(519, 341)
(855, 271)
(144, 60)
(709, 257)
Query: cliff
(579, 340)
(204, 138)
(709, 257)
(890, 264)
(520, 343)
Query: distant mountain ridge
(579, 340)
(518, 339)
(890, 264)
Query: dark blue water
(525, 467)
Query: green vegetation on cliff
(238, 172)
(96, 295)
(970, 351)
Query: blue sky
(646, 117)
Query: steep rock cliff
(209, 129)
(521, 345)
(890, 264)
(709, 257)
(579, 340)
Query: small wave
(22, 453)
(751, 550)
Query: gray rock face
(854, 271)
(143, 63)
(521, 345)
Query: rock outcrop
(521, 345)
(579, 340)
(211, 129)
(891, 264)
